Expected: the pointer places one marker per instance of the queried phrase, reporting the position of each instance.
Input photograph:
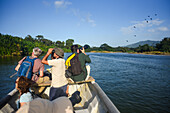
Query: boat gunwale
(108, 103)
(6, 99)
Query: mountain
(149, 42)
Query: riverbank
(145, 53)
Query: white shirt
(58, 72)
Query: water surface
(134, 83)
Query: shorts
(57, 92)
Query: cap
(59, 52)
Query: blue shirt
(26, 97)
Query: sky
(93, 22)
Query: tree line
(12, 45)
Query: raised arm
(87, 59)
(44, 60)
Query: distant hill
(149, 42)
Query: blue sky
(92, 22)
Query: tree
(106, 47)
(144, 48)
(69, 43)
(62, 44)
(58, 43)
(164, 45)
(39, 37)
(29, 38)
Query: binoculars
(85, 47)
(52, 54)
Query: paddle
(13, 75)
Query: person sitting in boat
(83, 58)
(39, 105)
(59, 81)
(38, 67)
(22, 84)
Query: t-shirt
(58, 72)
(26, 97)
(38, 66)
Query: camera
(81, 48)
(75, 98)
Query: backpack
(75, 68)
(26, 68)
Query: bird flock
(147, 20)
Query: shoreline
(144, 53)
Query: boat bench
(90, 79)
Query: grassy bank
(152, 53)
(147, 53)
(104, 52)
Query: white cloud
(89, 20)
(62, 4)
(46, 3)
(163, 28)
(76, 12)
(156, 22)
(127, 30)
(83, 17)
(141, 25)
(158, 29)
(151, 30)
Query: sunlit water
(135, 83)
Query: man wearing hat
(59, 81)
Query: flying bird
(134, 26)
(148, 16)
(147, 21)
(126, 40)
(155, 14)
(134, 35)
(151, 18)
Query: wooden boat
(94, 100)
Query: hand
(41, 76)
(50, 50)
(83, 50)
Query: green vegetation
(12, 45)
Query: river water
(134, 83)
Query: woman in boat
(23, 84)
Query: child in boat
(23, 84)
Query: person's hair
(24, 84)
(37, 51)
(74, 48)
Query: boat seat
(90, 79)
(46, 83)
(43, 84)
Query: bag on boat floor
(26, 68)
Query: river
(135, 83)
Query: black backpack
(75, 68)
